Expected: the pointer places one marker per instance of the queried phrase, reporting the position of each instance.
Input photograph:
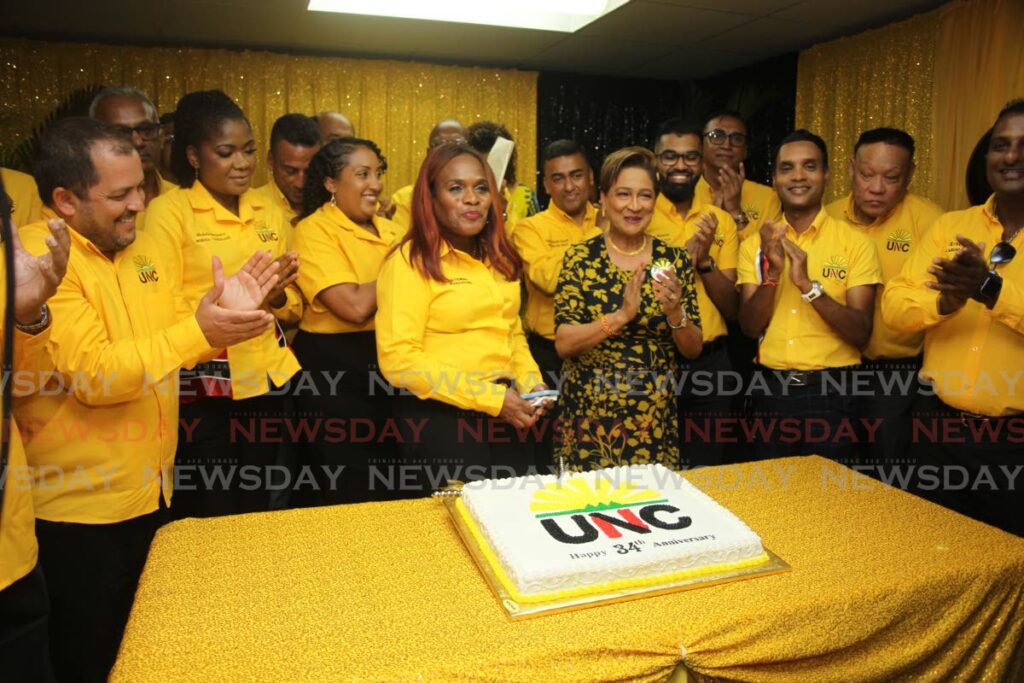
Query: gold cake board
(517, 610)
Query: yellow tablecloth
(884, 586)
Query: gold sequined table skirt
(884, 587)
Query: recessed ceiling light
(546, 15)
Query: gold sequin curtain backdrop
(979, 67)
(392, 103)
(877, 78)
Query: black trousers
(24, 630)
(543, 351)
(441, 443)
(704, 401)
(886, 402)
(228, 454)
(92, 571)
(968, 463)
(812, 413)
(348, 414)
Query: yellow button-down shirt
(893, 235)
(26, 205)
(974, 355)
(100, 436)
(18, 549)
(669, 227)
(402, 199)
(271, 194)
(542, 240)
(334, 250)
(450, 341)
(838, 257)
(759, 202)
(191, 228)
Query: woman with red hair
(448, 328)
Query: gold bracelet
(682, 321)
(606, 326)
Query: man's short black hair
(1012, 107)
(64, 156)
(295, 129)
(678, 126)
(563, 148)
(726, 113)
(890, 136)
(803, 135)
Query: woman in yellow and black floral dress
(625, 304)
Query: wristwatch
(39, 325)
(815, 291)
(741, 218)
(989, 289)
(682, 323)
(704, 270)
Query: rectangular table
(884, 586)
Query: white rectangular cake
(549, 538)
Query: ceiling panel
(757, 8)
(766, 37)
(657, 23)
(855, 14)
(695, 62)
(588, 55)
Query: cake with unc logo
(549, 538)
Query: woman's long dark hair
(198, 117)
(328, 163)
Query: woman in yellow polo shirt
(233, 412)
(448, 329)
(342, 242)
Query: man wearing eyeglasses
(964, 286)
(708, 234)
(133, 112)
(724, 182)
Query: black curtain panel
(604, 114)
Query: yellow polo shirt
(333, 250)
(893, 235)
(271, 194)
(165, 185)
(191, 228)
(102, 432)
(973, 355)
(402, 199)
(18, 549)
(759, 202)
(675, 230)
(542, 240)
(450, 341)
(838, 257)
(520, 203)
(27, 207)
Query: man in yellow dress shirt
(133, 112)
(882, 207)
(294, 139)
(808, 292)
(724, 182)
(24, 633)
(444, 132)
(708, 234)
(100, 439)
(25, 205)
(542, 240)
(964, 287)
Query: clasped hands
(776, 248)
(960, 278)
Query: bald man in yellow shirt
(400, 207)
(963, 286)
(808, 293)
(882, 207)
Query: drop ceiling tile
(662, 23)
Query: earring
(334, 201)
(197, 174)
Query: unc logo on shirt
(266, 234)
(146, 270)
(752, 212)
(836, 268)
(898, 241)
(719, 239)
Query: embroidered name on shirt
(836, 268)
(460, 281)
(146, 270)
(898, 241)
(211, 237)
(558, 243)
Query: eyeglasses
(146, 131)
(670, 157)
(718, 137)
(1002, 254)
